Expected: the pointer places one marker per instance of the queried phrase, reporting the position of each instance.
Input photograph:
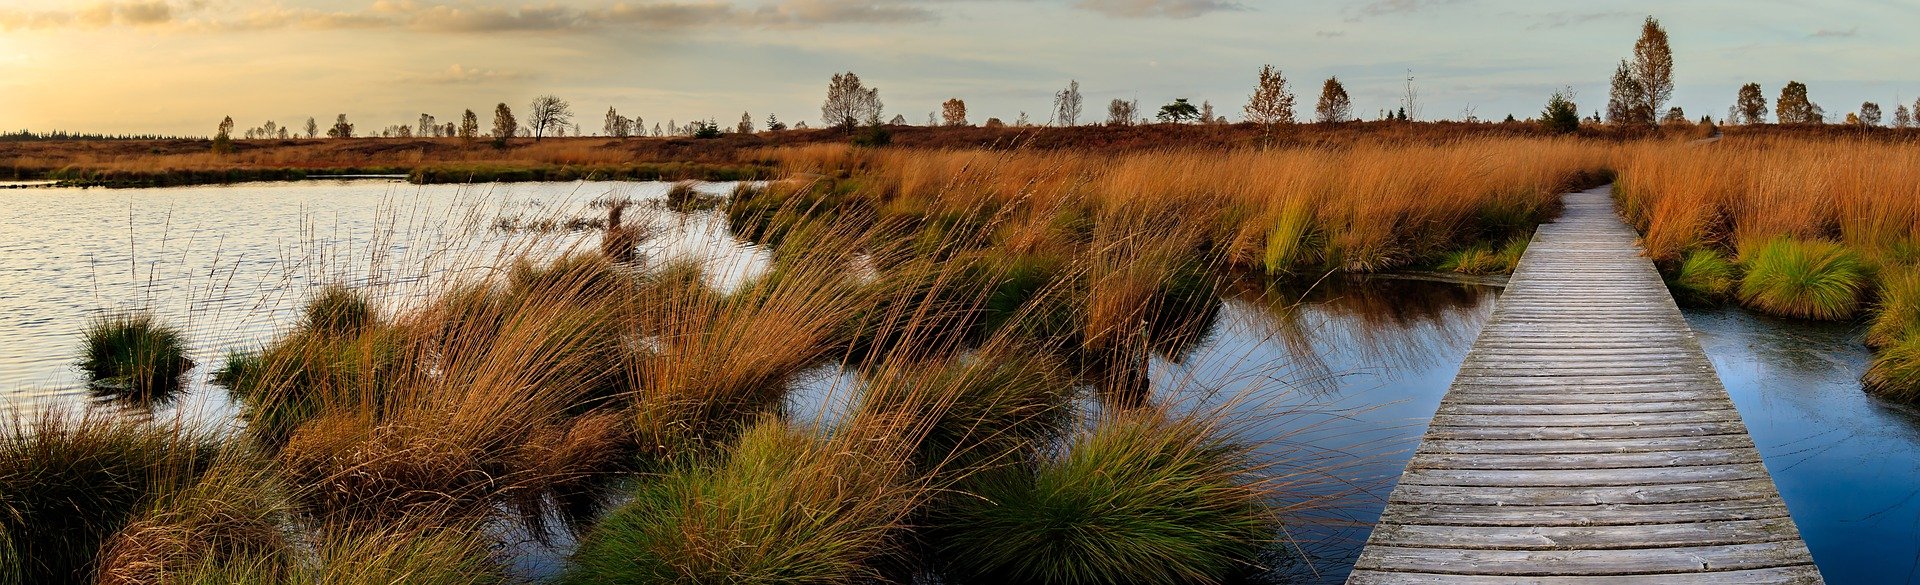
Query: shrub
(1808, 279)
(70, 482)
(134, 355)
(1140, 499)
(1704, 277)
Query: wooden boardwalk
(1587, 439)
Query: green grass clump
(135, 355)
(1807, 279)
(1899, 309)
(339, 310)
(1006, 403)
(1704, 277)
(1895, 371)
(68, 483)
(381, 557)
(784, 507)
(1476, 260)
(1510, 254)
(1141, 499)
(1290, 242)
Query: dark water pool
(1848, 464)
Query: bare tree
(1902, 117)
(953, 112)
(1066, 104)
(313, 128)
(341, 128)
(850, 103)
(1122, 112)
(428, 127)
(1335, 105)
(504, 126)
(1751, 105)
(1271, 103)
(226, 128)
(1206, 112)
(1653, 66)
(548, 114)
(746, 124)
(612, 124)
(1410, 102)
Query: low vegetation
(133, 355)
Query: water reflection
(1847, 464)
(1337, 381)
(232, 265)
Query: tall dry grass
(1815, 228)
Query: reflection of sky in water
(1337, 387)
(233, 264)
(1847, 464)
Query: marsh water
(1336, 379)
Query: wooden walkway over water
(1587, 439)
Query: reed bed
(1818, 229)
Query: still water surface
(1337, 380)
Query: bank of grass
(1821, 228)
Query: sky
(179, 66)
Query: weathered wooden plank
(1590, 461)
(1792, 575)
(1745, 489)
(1608, 432)
(1624, 476)
(1588, 445)
(1731, 557)
(1589, 515)
(1703, 533)
(1586, 439)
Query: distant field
(733, 156)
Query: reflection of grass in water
(1382, 321)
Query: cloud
(1565, 19)
(1329, 34)
(1835, 34)
(1387, 7)
(458, 75)
(96, 15)
(469, 16)
(1158, 8)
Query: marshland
(1191, 346)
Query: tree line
(1638, 96)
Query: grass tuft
(1895, 371)
(1141, 499)
(1704, 278)
(1807, 279)
(134, 355)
